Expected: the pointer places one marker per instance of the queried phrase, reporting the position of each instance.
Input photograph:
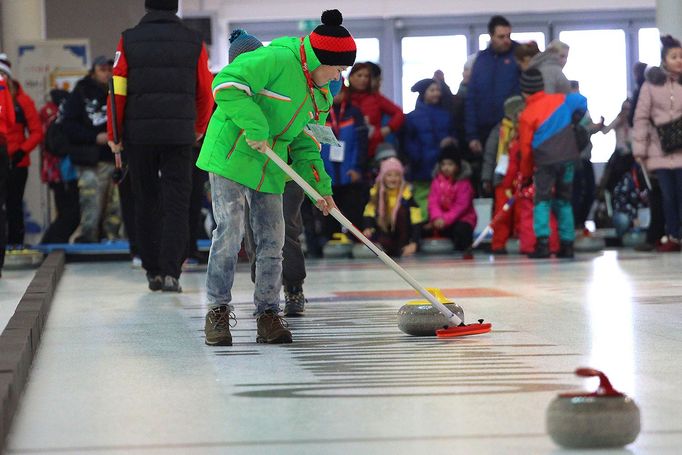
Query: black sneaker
(217, 327)
(566, 251)
(294, 301)
(171, 284)
(155, 282)
(272, 329)
(541, 249)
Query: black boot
(565, 250)
(541, 249)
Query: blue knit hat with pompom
(241, 42)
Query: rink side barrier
(20, 339)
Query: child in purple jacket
(451, 199)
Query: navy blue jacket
(352, 131)
(425, 127)
(494, 78)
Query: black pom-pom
(332, 17)
(236, 34)
(669, 41)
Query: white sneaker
(136, 263)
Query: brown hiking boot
(272, 329)
(217, 327)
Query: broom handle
(489, 227)
(114, 123)
(345, 222)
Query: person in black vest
(162, 87)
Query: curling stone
(634, 238)
(605, 418)
(360, 251)
(420, 318)
(586, 243)
(24, 258)
(339, 246)
(513, 246)
(436, 245)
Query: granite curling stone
(602, 419)
(25, 258)
(587, 243)
(436, 245)
(339, 246)
(420, 318)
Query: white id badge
(323, 134)
(644, 217)
(337, 153)
(502, 165)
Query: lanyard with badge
(337, 152)
(322, 133)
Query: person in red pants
(518, 219)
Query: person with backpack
(59, 174)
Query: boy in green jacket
(266, 98)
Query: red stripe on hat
(332, 43)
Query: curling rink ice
(121, 370)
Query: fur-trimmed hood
(657, 75)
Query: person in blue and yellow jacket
(266, 98)
(548, 151)
(346, 163)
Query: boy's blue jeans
(267, 223)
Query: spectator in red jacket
(6, 122)
(22, 138)
(373, 106)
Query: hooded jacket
(453, 199)
(425, 128)
(546, 133)
(7, 116)
(27, 121)
(552, 73)
(660, 101)
(264, 95)
(85, 115)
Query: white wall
(240, 10)
(226, 11)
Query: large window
(368, 51)
(649, 46)
(424, 55)
(520, 37)
(597, 61)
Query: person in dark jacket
(22, 138)
(425, 129)
(60, 175)
(494, 78)
(84, 121)
(162, 87)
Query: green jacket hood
(294, 44)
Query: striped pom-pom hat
(332, 43)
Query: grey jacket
(490, 157)
(552, 73)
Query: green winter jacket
(263, 94)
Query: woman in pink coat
(660, 102)
(451, 199)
